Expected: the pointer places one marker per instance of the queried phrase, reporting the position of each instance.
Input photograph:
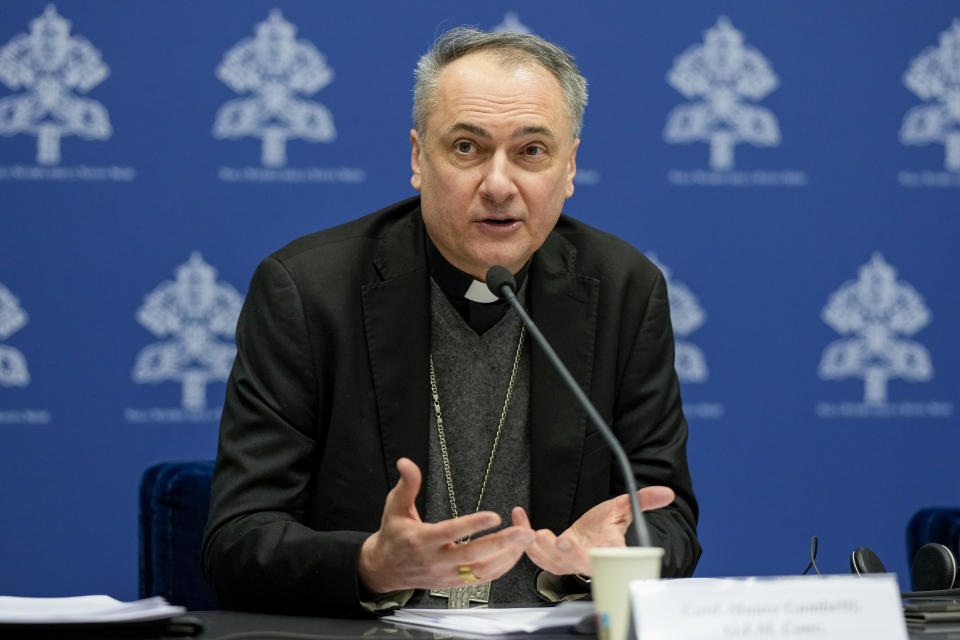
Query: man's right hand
(407, 553)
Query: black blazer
(330, 386)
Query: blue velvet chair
(174, 502)
(934, 524)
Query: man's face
(495, 164)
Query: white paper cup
(614, 568)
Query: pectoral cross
(461, 597)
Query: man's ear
(415, 151)
(572, 167)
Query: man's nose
(498, 184)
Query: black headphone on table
(934, 569)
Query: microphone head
(499, 277)
(863, 561)
(934, 568)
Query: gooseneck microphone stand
(502, 284)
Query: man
(385, 412)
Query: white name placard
(799, 608)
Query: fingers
(558, 555)
(509, 539)
(543, 540)
(655, 497)
(650, 498)
(408, 553)
(494, 566)
(519, 517)
(403, 496)
(492, 555)
(463, 527)
(488, 557)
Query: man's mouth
(500, 226)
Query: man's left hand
(602, 526)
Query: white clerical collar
(479, 292)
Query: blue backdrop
(794, 167)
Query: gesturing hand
(602, 526)
(407, 553)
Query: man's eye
(534, 150)
(464, 147)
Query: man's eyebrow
(470, 128)
(533, 131)
(520, 132)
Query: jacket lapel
(564, 306)
(396, 319)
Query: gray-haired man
(385, 412)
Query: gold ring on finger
(466, 574)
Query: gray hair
(511, 48)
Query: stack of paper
(933, 614)
(83, 609)
(495, 621)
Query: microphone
(502, 283)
